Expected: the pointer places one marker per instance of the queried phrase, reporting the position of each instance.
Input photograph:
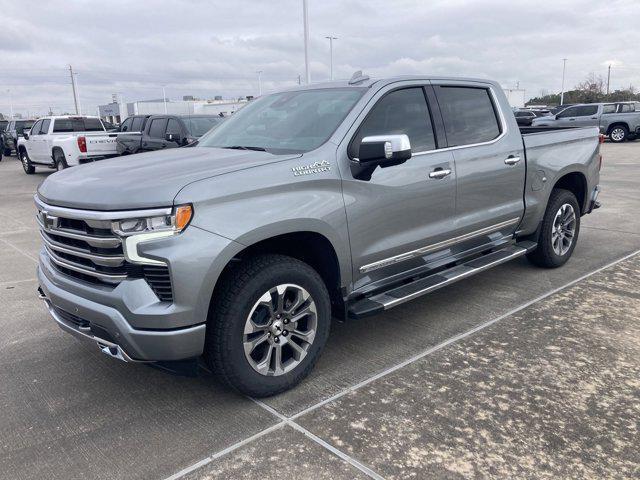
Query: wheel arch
(309, 246)
(618, 124)
(576, 183)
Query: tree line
(592, 90)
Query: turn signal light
(82, 144)
(183, 216)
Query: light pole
(259, 72)
(564, 67)
(331, 39)
(10, 103)
(305, 19)
(164, 99)
(608, 78)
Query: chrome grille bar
(76, 267)
(98, 259)
(93, 240)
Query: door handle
(439, 173)
(572, 119)
(512, 160)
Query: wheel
(59, 161)
(268, 324)
(618, 133)
(26, 163)
(559, 231)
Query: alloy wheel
(563, 230)
(280, 329)
(617, 134)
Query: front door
(154, 140)
(490, 164)
(397, 213)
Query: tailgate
(103, 144)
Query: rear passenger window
(138, 124)
(156, 129)
(469, 115)
(609, 108)
(399, 112)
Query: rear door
(400, 212)
(587, 116)
(154, 139)
(489, 162)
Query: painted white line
(456, 338)
(291, 420)
(338, 453)
(19, 250)
(221, 453)
(11, 282)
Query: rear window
(469, 115)
(66, 125)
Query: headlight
(144, 229)
(173, 223)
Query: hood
(145, 180)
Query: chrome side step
(399, 295)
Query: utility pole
(73, 87)
(608, 78)
(305, 19)
(299, 80)
(259, 72)
(164, 99)
(10, 103)
(564, 66)
(331, 39)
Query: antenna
(358, 77)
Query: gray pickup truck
(619, 121)
(336, 200)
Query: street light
(305, 19)
(564, 66)
(164, 99)
(10, 102)
(259, 72)
(331, 39)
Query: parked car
(166, 131)
(339, 199)
(618, 122)
(525, 117)
(3, 125)
(64, 141)
(12, 133)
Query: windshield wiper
(242, 147)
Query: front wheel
(268, 324)
(27, 166)
(559, 230)
(619, 133)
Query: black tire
(27, 166)
(618, 133)
(239, 293)
(59, 162)
(545, 255)
(7, 151)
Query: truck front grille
(88, 250)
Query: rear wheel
(59, 161)
(268, 324)
(27, 166)
(559, 231)
(618, 133)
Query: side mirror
(25, 135)
(384, 150)
(380, 150)
(173, 137)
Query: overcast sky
(207, 48)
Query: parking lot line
(19, 250)
(457, 338)
(284, 420)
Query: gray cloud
(208, 48)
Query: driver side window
(402, 111)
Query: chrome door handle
(443, 172)
(512, 160)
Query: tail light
(82, 144)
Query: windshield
(198, 126)
(288, 122)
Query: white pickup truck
(64, 141)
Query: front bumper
(109, 330)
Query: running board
(399, 295)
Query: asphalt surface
(518, 372)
